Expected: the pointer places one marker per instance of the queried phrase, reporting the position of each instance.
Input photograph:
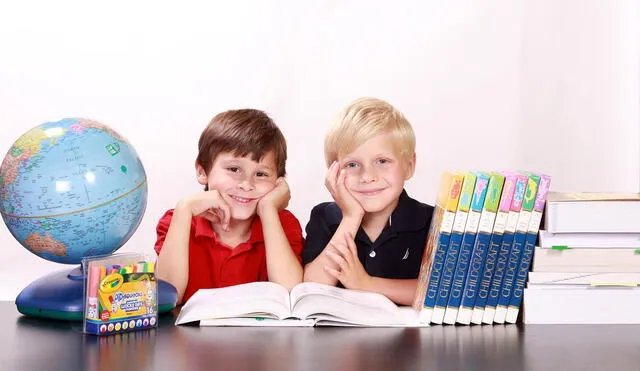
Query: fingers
(333, 272)
(344, 251)
(351, 244)
(225, 210)
(332, 176)
(341, 182)
(220, 214)
(338, 259)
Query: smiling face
(376, 172)
(241, 181)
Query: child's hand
(351, 274)
(276, 199)
(335, 181)
(210, 205)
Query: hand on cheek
(276, 199)
(336, 183)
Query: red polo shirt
(213, 264)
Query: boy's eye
(233, 169)
(261, 174)
(350, 165)
(384, 161)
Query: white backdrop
(547, 85)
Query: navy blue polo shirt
(396, 253)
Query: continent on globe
(44, 244)
(27, 146)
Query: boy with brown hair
(237, 230)
(373, 235)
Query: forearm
(173, 260)
(315, 270)
(400, 291)
(283, 266)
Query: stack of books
(586, 269)
(480, 245)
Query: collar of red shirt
(203, 228)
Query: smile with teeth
(241, 200)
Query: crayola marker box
(121, 294)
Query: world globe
(71, 189)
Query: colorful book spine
(519, 238)
(494, 248)
(466, 248)
(505, 249)
(437, 243)
(527, 253)
(480, 247)
(451, 255)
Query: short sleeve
(293, 231)
(318, 234)
(161, 230)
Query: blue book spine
(521, 275)
(487, 272)
(498, 274)
(436, 270)
(509, 275)
(448, 270)
(460, 275)
(478, 258)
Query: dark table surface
(38, 344)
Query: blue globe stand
(60, 295)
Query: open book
(308, 304)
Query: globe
(71, 189)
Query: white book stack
(586, 269)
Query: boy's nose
(368, 176)
(246, 185)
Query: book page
(256, 299)
(311, 300)
(258, 322)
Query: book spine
(527, 254)
(487, 273)
(462, 265)
(478, 258)
(468, 240)
(451, 257)
(428, 258)
(479, 252)
(436, 271)
(505, 249)
(509, 275)
(437, 241)
(516, 249)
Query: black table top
(39, 344)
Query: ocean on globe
(71, 189)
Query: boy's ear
(411, 167)
(201, 175)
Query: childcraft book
(308, 304)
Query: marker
(92, 292)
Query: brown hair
(242, 132)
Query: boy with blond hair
(373, 235)
(237, 230)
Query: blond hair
(364, 119)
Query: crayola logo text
(111, 282)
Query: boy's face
(376, 172)
(241, 181)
